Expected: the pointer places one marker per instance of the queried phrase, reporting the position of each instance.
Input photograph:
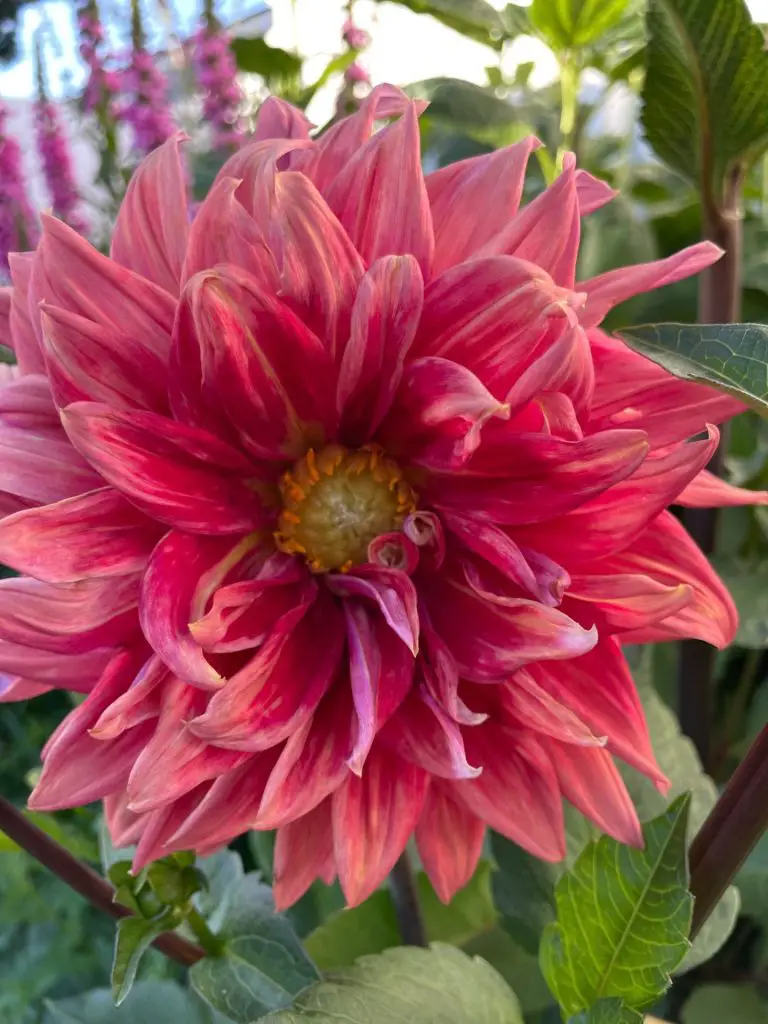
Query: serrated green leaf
(133, 938)
(151, 1002)
(473, 18)
(608, 1011)
(571, 24)
(725, 1004)
(263, 965)
(440, 985)
(729, 357)
(524, 891)
(623, 917)
(706, 88)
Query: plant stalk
(406, 900)
(727, 837)
(83, 879)
(719, 302)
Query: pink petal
(450, 841)
(224, 232)
(14, 688)
(159, 827)
(592, 193)
(546, 231)
(440, 674)
(27, 402)
(178, 474)
(303, 852)
(425, 530)
(422, 733)
(78, 769)
(531, 706)
(390, 589)
(76, 672)
(464, 220)
(182, 576)
(609, 289)
(599, 689)
(280, 120)
(23, 322)
(140, 702)
(591, 782)
(380, 197)
(622, 601)
(708, 491)
(373, 818)
(99, 289)
(94, 534)
(150, 233)
(311, 765)
(6, 298)
(88, 360)
(380, 672)
(41, 466)
(243, 357)
(438, 414)
(518, 792)
(280, 687)
(666, 552)
(68, 618)
(384, 321)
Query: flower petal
(303, 852)
(178, 474)
(41, 466)
(280, 120)
(391, 589)
(622, 601)
(150, 233)
(94, 534)
(373, 817)
(591, 782)
(529, 705)
(592, 193)
(708, 491)
(464, 220)
(450, 841)
(76, 672)
(380, 197)
(384, 320)
(422, 733)
(23, 323)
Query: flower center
(336, 501)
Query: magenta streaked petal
(24, 329)
(178, 474)
(529, 705)
(303, 853)
(76, 672)
(422, 733)
(97, 534)
(392, 590)
(373, 817)
(141, 701)
(150, 233)
(27, 402)
(590, 780)
(41, 467)
(623, 601)
(708, 491)
(384, 321)
(463, 218)
(380, 197)
(450, 841)
(182, 576)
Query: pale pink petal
(592, 193)
(41, 466)
(14, 688)
(23, 321)
(709, 491)
(150, 233)
(392, 590)
(422, 733)
(618, 601)
(280, 120)
(140, 702)
(303, 853)
(449, 840)
(529, 705)
(76, 672)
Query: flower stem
(569, 97)
(729, 834)
(211, 943)
(83, 879)
(719, 302)
(407, 909)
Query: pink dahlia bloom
(340, 506)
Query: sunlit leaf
(608, 1011)
(569, 24)
(623, 917)
(730, 357)
(440, 985)
(253, 54)
(706, 88)
(133, 938)
(473, 18)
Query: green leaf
(440, 985)
(372, 927)
(747, 583)
(623, 917)
(608, 1011)
(262, 967)
(725, 1004)
(473, 18)
(706, 88)
(729, 357)
(224, 871)
(752, 881)
(570, 24)
(524, 891)
(518, 968)
(259, 58)
(463, 105)
(134, 937)
(151, 1002)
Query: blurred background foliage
(54, 947)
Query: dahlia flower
(56, 160)
(339, 506)
(17, 224)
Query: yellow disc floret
(336, 501)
